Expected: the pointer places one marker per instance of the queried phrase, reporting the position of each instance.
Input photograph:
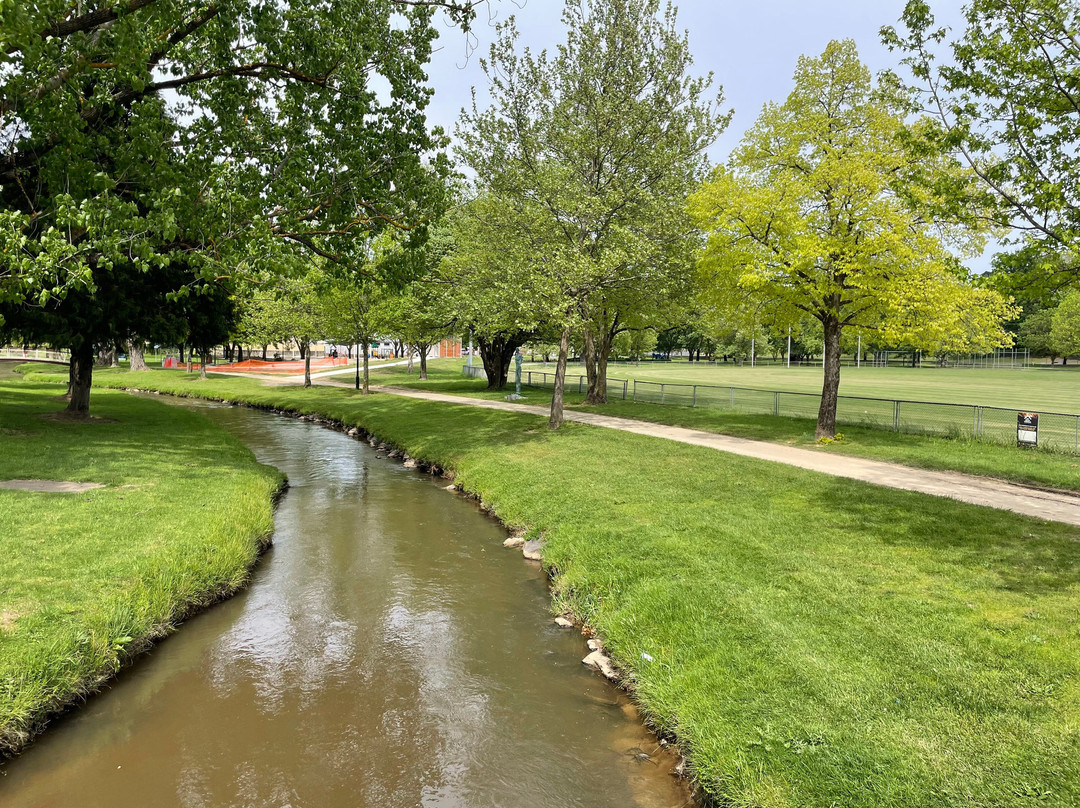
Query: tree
(587, 156)
(1006, 102)
(815, 215)
(492, 287)
(353, 313)
(145, 132)
(419, 315)
(1035, 334)
(1065, 326)
(262, 319)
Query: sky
(750, 47)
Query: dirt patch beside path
(49, 486)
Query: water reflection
(389, 653)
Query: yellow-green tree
(824, 210)
(1065, 326)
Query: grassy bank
(811, 641)
(1038, 468)
(88, 579)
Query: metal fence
(1060, 431)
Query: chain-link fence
(1057, 430)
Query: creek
(388, 653)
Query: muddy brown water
(389, 652)
(7, 369)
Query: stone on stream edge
(598, 661)
(562, 622)
(514, 541)
(595, 645)
(533, 550)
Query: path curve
(1054, 506)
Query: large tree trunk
(114, 357)
(239, 352)
(264, 352)
(135, 354)
(598, 385)
(830, 388)
(497, 353)
(181, 353)
(423, 362)
(555, 420)
(588, 354)
(366, 390)
(82, 374)
(204, 357)
(411, 349)
(73, 368)
(307, 365)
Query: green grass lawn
(811, 641)
(1035, 389)
(1040, 468)
(86, 580)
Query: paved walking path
(1050, 505)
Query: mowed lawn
(1029, 389)
(88, 579)
(979, 457)
(811, 641)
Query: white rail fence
(35, 355)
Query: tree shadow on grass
(1026, 555)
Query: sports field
(1034, 389)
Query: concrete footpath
(1054, 506)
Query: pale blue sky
(750, 47)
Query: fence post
(694, 400)
(624, 385)
(896, 416)
(1076, 442)
(731, 397)
(978, 421)
(635, 389)
(776, 403)
(579, 381)
(661, 394)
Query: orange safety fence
(265, 366)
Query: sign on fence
(1027, 429)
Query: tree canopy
(819, 213)
(135, 134)
(1003, 97)
(583, 162)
